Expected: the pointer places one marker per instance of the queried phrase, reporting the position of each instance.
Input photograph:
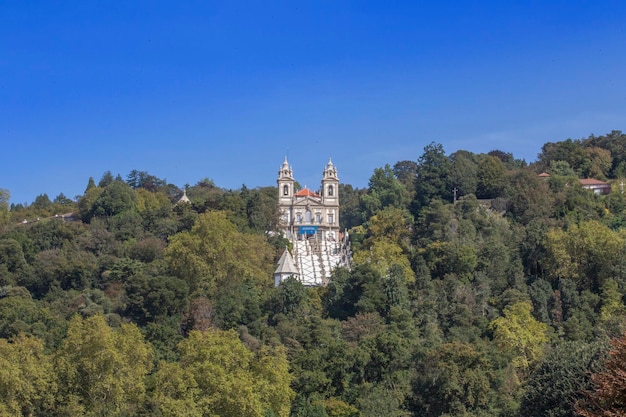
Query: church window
(285, 189)
(299, 217)
(331, 190)
(318, 217)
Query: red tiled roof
(592, 181)
(544, 175)
(305, 192)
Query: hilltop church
(310, 220)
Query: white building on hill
(310, 220)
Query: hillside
(478, 287)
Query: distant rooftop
(592, 181)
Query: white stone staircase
(317, 258)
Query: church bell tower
(285, 191)
(330, 194)
(330, 185)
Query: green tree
(384, 191)
(19, 313)
(106, 180)
(615, 143)
(337, 408)
(205, 195)
(351, 214)
(12, 261)
(262, 209)
(530, 197)
(405, 172)
(508, 159)
(303, 407)
(142, 179)
(214, 251)
(519, 334)
(4, 206)
(541, 295)
(612, 304)
(453, 379)
(391, 224)
(27, 387)
(382, 255)
(116, 198)
(463, 172)
(432, 181)
(597, 163)
(175, 392)
(289, 296)
(42, 202)
(151, 298)
(557, 383)
(237, 303)
(87, 201)
(62, 199)
(607, 397)
(90, 184)
(381, 401)
(568, 150)
(435, 222)
(234, 204)
(491, 175)
(152, 203)
(562, 169)
(217, 375)
(102, 371)
(587, 253)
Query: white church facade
(310, 220)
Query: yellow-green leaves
(151, 203)
(218, 376)
(176, 391)
(214, 251)
(101, 371)
(612, 304)
(26, 381)
(587, 253)
(274, 379)
(382, 255)
(518, 333)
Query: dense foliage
(478, 288)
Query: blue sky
(224, 90)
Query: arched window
(285, 189)
(331, 190)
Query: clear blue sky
(195, 89)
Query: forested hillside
(478, 288)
